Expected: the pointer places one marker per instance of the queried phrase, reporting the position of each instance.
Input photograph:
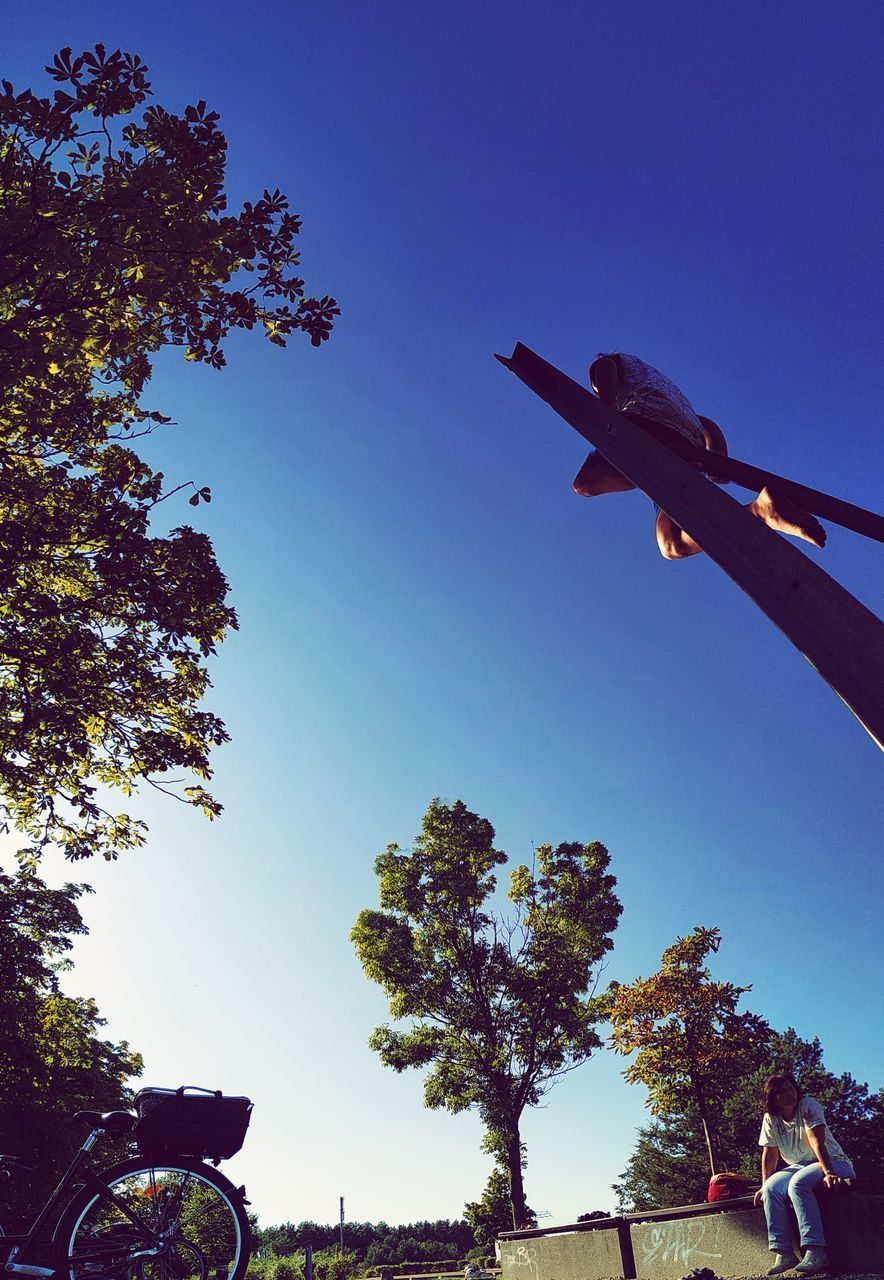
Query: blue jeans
(798, 1184)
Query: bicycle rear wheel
(178, 1219)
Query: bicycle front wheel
(175, 1220)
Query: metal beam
(839, 636)
(824, 505)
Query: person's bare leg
(781, 513)
(672, 540)
(597, 476)
(776, 510)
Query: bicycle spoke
(158, 1223)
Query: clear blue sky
(427, 609)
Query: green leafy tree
(282, 1239)
(374, 1243)
(499, 1006)
(434, 1240)
(331, 1264)
(286, 1269)
(668, 1166)
(692, 1047)
(115, 242)
(287, 1238)
(491, 1214)
(53, 1060)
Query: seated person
(794, 1130)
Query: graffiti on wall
(686, 1242)
(522, 1257)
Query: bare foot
(781, 513)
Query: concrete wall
(732, 1242)
(581, 1255)
(854, 1226)
(735, 1243)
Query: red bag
(727, 1186)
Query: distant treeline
(375, 1243)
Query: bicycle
(164, 1214)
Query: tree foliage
(373, 1243)
(53, 1060)
(328, 1264)
(669, 1165)
(115, 242)
(691, 1046)
(492, 1213)
(854, 1114)
(497, 1006)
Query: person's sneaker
(813, 1261)
(783, 1262)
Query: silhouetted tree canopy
(53, 1060)
(115, 242)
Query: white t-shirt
(645, 390)
(791, 1135)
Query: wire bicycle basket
(199, 1123)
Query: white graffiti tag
(683, 1242)
(523, 1256)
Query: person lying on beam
(649, 399)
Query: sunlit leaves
(692, 1047)
(115, 241)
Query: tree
(53, 1061)
(115, 242)
(493, 1213)
(692, 1047)
(666, 1166)
(282, 1239)
(498, 1006)
(854, 1113)
(373, 1244)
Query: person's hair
(771, 1084)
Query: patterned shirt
(644, 390)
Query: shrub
(328, 1264)
(290, 1268)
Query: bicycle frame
(89, 1178)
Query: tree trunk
(517, 1189)
(710, 1144)
(708, 1131)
